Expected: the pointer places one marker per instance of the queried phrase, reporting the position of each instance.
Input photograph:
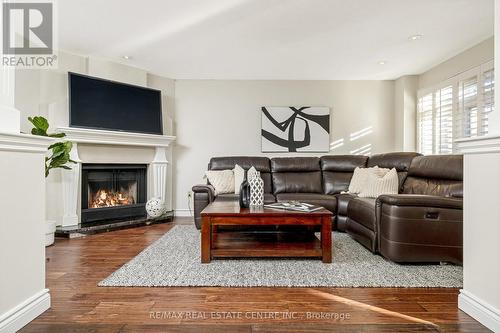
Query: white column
(480, 296)
(158, 172)
(70, 189)
(10, 119)
(23, 295)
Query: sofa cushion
(362, 211)
(296, 175)
(439, 175)
(295, 164)
(327, 201)
(268, 197)
(337, 171)
(262, 164)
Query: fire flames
(106, 198)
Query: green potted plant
(58, 157)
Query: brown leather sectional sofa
(423, 223)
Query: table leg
(206, 235)
(326, 239)
(213, 238)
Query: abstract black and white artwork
(295, 129)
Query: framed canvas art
(295, 129)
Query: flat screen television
(103, 104)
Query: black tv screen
(103, 104)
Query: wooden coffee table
(239, 244)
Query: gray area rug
(174, 260)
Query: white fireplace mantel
(94, 136)
(157, 170)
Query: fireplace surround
(148, 151)
(113, 192)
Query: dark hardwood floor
(75, 266)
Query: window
(457, 108)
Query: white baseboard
(479, 310)
(16, 318)
(183, 213)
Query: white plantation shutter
(468, 108)
(444, 120)
(488, 97)
(425, 124)
(458, 108)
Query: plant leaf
(57, 135)
(39, 132)
(40, 123)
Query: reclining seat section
(299, 178)
(362, 212)
(424, 224)
(337, 173)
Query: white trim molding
(479, 310)
(102, 137)
(15, 319)
(479, 145)
(183, 212)
(24, 143)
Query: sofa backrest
(296, 175)
(262, 164)
(399, 160)
(337, 171)
(440, 175)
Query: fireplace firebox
(113, 192)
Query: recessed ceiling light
(126, 57)
(382, 62)
(415, 37)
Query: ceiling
(275, 39)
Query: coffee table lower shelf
(265, 245)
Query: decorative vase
(50, 229)
(155, 207)
(245, 193)
(256, 191)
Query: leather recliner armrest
(420, 201)
(208, 189)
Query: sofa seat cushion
(324, 200)
(362, 210)
(343, 201)
(268, 197)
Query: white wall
(22, 227)
(221, 118)
(405, 117)
(472, 57)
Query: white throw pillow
(221, 180)
(360, 177)
(376, 185)
(239, 176)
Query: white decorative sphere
(155, 207)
